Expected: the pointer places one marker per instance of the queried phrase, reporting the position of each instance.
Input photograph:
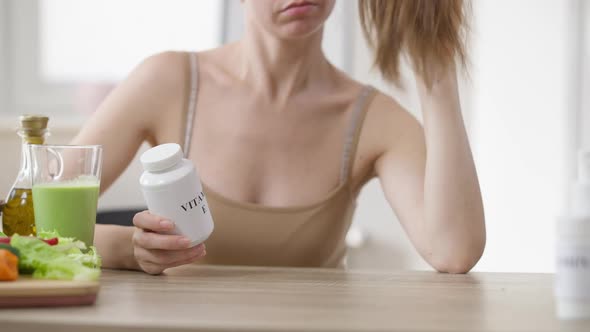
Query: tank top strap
(192, 102)
(353, 132)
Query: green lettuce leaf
(64, 268)
(67, 262)
(74, 248)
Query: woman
(283, 141)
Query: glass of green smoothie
(66, 182)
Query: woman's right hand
(155, 250)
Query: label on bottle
(198, 203)
(572, 279)
(183, 202)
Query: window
(102, 39)
(65, 55)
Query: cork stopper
(33, 128)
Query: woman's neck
(282, 68)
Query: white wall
(523, 80)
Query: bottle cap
(34, 121)
(33, 128)
(161, 157)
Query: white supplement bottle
(572, 278)
(172, 189)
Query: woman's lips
(299, 8)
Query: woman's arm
(429, 178)
(428, 174)
(126, 119)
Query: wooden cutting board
(27, 292)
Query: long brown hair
(432, 33)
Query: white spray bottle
(572, 279)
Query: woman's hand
(155, 250)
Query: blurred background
(525, 100)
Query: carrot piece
(8, 266)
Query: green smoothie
(67, 207)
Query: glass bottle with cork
(17, 215)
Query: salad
(47, 256)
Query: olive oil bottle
(17, 215)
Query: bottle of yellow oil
(17, 215)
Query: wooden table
(270, 299)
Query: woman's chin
(298, 30)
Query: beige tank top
(312, 235)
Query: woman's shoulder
(383, 111)
(170, 68)
(156, 80)
(383, 102)
(386, 109)
(153, 83)
(387, 122)
(162, 70)
(152, 94)
(381, 105)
